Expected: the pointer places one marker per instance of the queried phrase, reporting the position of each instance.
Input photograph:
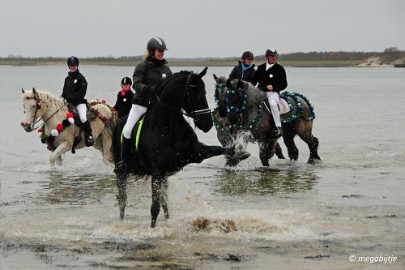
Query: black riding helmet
(271, 52)
(247, 55)
(156, 43)
(73, 61)
(126, 80)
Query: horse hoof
(232, 162)
(122, 214)
(314, 161)
(243, 155)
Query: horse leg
(293, 151)
(157, 182)
(289, 132)
(266, 151)
(163, 196)
(56, 154)
(304, 130)
(279, 151)
(313, 144)
(122, 193)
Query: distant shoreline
(291, 63)
(389, 58)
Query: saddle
(89, 114)
(283, 106)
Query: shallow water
(288, 216)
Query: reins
(194, 114)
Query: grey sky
(207, 28)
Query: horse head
(235, 98)
(33, 109)
(220, 89)
(195, 101)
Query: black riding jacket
(247, 75)
(149, 73)
(275, 76)
(75, 88)
(124, 103)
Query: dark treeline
(388, 56)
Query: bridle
(34, 117)
(194, 114)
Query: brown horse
(246, 115)
(61, 135)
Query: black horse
(167, 142)
(246, 111)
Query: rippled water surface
(345, 213)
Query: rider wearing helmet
(74, 91)
(245, 69)
(147, 75)
(124, 97)
(272, 79)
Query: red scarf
(123, 91)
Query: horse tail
(116, 140)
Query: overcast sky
(206, 28)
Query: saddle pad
(283, 105)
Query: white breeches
(274, 99)
(82, 110)
(133, 117)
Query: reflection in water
(77, 190)
(262, 182)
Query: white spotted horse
(60, 131)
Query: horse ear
(215, 77)
(202, 73)
(22, 90)
(34, 91)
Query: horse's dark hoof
(122, 214)
(232, 162)
(314, 161)
(243, 155)
(153, 224)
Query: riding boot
(121, 167)
(88, 134)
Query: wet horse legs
(159, 198)
(122, 193)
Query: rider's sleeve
(138, 78)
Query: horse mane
(43, 96)
(46, 98)
(174, 77)
(255, 95)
